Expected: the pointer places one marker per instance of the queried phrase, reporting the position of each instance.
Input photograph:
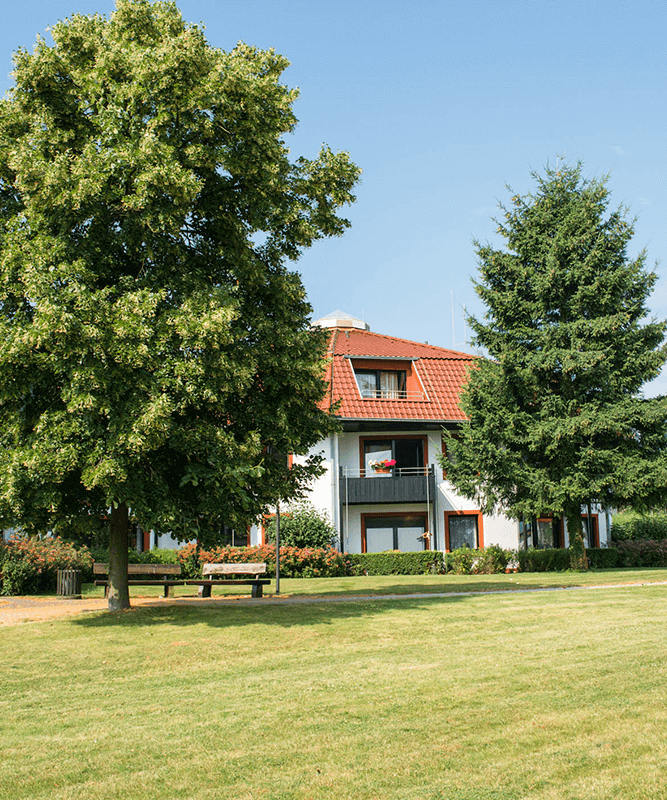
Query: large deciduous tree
(154, 345)
(557, 418)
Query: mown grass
(556, 695)
(411, 584)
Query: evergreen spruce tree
(155, 348)
(557, 418)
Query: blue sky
(442, 104)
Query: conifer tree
(155, 347)
(557, 418)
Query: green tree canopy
(557, 418)
(154, 345)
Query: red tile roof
(442, 374)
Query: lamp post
(278, 547)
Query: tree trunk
(578, 559)
(119, 593)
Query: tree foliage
(154, 345)
(556, 415)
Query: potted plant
(382, 467)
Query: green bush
(159, 555)
(30, 564)
(489, 560)
(302, 526)
(19, 578)
(460, 561)
(631, 526)
(602, 557)
(552, 560)
(394, 562)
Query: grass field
(410, 584)
(497, 697)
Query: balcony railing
(390, 394)
(399, 485)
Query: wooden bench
(206, 583)
(164, 570)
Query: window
(386, 384)
(463, 529)
(394, 532)
(408, 453)
(228, 536)
(591, 538)
(547, 533)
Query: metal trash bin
(69, 583)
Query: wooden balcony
(407, 485)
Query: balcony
(405, 485)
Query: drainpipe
(336, 490)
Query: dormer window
(386, 384)
(387, 379)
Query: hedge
(602, 557)
(558, 559)
(395, 562)
(552, 560)
(631, 526)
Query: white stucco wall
(343, 450)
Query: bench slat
(233, 569)
(141, 569)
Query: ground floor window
(547, 533)
(463, 529)
(394, 532)
(590, 530)
(228, 536)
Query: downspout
(336, 489)
(428, 501)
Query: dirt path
(16, 610)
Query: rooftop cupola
(341, 319)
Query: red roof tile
(442, 374)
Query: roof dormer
(387, 379)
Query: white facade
(341, 454)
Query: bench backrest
(233, 569)
(141, 569)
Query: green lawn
(410, 584)
(553, 695)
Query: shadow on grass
(230, 614)
(309, 609)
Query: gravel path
(16, 610)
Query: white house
(395, 397)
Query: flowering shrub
(29, 564)
(295, 562)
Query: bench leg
(204, 591)
(257, 590)
(166, 591)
